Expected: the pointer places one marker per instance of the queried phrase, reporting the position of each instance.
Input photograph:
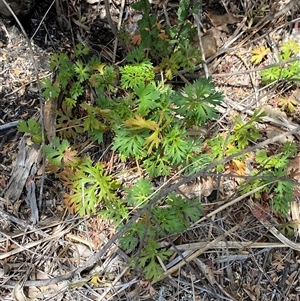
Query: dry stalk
(196, 254)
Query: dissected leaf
(32, 127)
(148, 259)
(83, 72)
(288, 104)
(288, 228)
(290, 47)
(258, 54)
(148, 95)
(141, 123)
(136, 39)
(80, 49)
(50, 90)
(70, 157)
(56, 153)
(237, 167)
(132, 75)
(153, 139)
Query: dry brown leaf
(70, 156)
(250, 294)
(292, 280)
(211, 41)
(196, 189)
(46, 292)
(209, 45)
(207, 186)
(296, 94)
(136, 39)
(163, 36)
(81, 252)
(70, 206)
(222, 20)
(261, 213)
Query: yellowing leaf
(288, 104)
(95, 280)
(236, 167)
(153, 139)
(258, 54)
(140, 123)
(169, 74)
(100, 67)
(240, 167)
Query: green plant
(150, 123)
(272, 169)
(171, 215)
(149, 120)
(157, 133)
(32, 127)
(169, 49)
(287, 69)
(243, 133)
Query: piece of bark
(28, 157)
(50, 109)
(31, 201)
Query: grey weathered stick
(7, 126)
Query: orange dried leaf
(64, 176)
(71, 206)
(136, 39)
(163, 36)
(51, 168)
(70, 156)
(240, 167)
(236, 167)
